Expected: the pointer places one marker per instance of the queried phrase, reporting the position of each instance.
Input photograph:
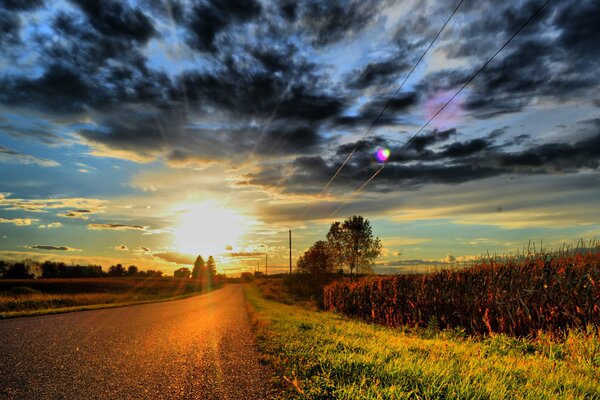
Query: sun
(207, 229)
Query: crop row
(517, 297)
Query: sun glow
(207, 229)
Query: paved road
(197, 348)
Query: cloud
(115, 18)
(121, 247)
(11, 156)
(44, 205)
(204, 21)
(48, 247)
(332, 21)
(426, 160)
(19, 221)
(81, 214)
(246, 254)
(118, 227)
(141, 249)
(177, 258)
(52, 225)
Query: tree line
(29, 269)
(202, 270)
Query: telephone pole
(290, 250)
(266, 264)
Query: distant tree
(152, 272)
(182, 273)
(18, 271)
(352, 244)
(317, 259)
(211, 266)
(3, 267)
(246, 277)
(52, 269)
(116, 270)
(199, 268)
(132, 270)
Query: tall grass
(519, 297)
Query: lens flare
(382, 155)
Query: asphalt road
(197, 348)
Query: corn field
(515, 296)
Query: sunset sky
(147, 132)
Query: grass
(20, 298)
(322, 355)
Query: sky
(147, 132)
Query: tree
(182, 273)
(352, 244)
(132, 270)
(116, 270)
(211, 267)
(3, 267)
(317, 260)
(336, 243)
(199, 268)
(18, 271)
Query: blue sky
(146, 132)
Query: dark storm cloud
(59, 89)
(419, 143)
(331, 21)
(10, 25)
(561, 66)
(260, 93)
(378, 73)
(205, 20)
(457, 162)
(21, 5)
(367, 144)
(10, 21)
(285, 139)
(258, 83)
(116, 18)
(145, 133)
(396, 107)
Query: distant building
(182, 273)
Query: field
(319, 355)
(520, 297)
(43, 296)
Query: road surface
(197, 348)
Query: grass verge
(321, 355)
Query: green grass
(321, 355)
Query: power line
(527, 22)
(386, 106)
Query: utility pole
(266, 264)
(290, 250)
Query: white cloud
(19, 221)
(52, 225)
